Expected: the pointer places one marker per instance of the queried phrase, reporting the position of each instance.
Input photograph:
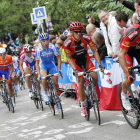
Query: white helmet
(27, 48)
(2, 50)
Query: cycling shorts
(84, 65)
(5, 73)
(129, 57)
(49, 67)
(26, 65)
(17, 71)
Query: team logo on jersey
(133, 34)
(91, 44)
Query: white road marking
(79, 125)
(115, 122)
(81, 131)
(55, 131)
(27, 130)
(56, 137)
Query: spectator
(92, 29)
(6, 38)
(134, 18)
(122, 19)
(131, 5)
(51, 38)
(36, 43)
(26, 39)
(54, 41)
(110, 31)
(98, 39)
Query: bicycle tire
(51, 106)
(9, 101)
(5, 100)
(35, 96)
(39, 97)
(57, 100)
(96, 106)
(124, 111)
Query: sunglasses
(78, 32)
(28, 52)
(45, 40)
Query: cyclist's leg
(15, 80)
(26, 69)
(52, 70)
(43, 72)
(129, 62)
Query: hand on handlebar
(75, 72)
(102, 68)
(60, 72)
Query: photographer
(131, 5)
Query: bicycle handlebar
(50, 75)
(95, 70)
(30, 74)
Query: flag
(109, 86)
(48, 24)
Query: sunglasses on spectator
(78, 32)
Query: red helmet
(76, 26)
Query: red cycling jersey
(78, 50)
(131, 42)
(131, 37)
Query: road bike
(91, 95)
(37, 97)
(53, 96)
(21, 82)
(5, 95)
(132, 116)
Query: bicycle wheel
(87, 109)
(39, 97)
(58, 103)
(130, 116)
(9, 102)
(96, 106)
(51, 105)
(5, 100)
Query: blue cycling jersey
(46, 55)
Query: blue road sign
(33, 18)
(40, 12)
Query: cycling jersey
(131, 38)
(46, 55)
(78, 50)
(29, 60)
(131, 42)
(4, 64)
(15, 62)
(46, 58)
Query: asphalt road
(29, 123)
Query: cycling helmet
(76, 26)
(2, 50)
(43, 36)
(138, 17)
(27, 48)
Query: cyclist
(129, 48)
(16, 71)
(27, 64)
(76, 48)
(45, 62)
(5, 63)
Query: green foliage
(15, 14)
